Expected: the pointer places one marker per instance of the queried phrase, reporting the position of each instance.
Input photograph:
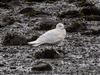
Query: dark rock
(70, 14)
(41, 0)
(2, 65)
(84, 4)
(1, 25)
(28, 11)
(47, 54)
(7, 21)
(14, 39)
(35, 0)
(90, 11)
(71, 1)
(4, 6)
(15, 3)
(91, 32)
(5, 1)
(45, 24)
(76, 27)
(92, 18)
(29, 57)
(12, 67)
(51, 1)
(33, 38)
(42, 66)
(6, 56)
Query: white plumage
(52, 36)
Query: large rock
(72, 1)
(41, 0)
(84, 4)
(91, 32)
(45, 24)
(90, 11)
(42, 66)
(4, 6)
(92, 18)
(70, 14)
(26, 10)
(48, 54)
(35, 0)
(14, 39)
(76, 27)
(7, 21)
(29, 11)
(5, 1)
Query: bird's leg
(56, 51)
(61, 43)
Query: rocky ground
(25, 20)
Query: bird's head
(60, 26)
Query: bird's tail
(34, 43)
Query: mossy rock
(35, 0)
(90, 11)
(84, 4)
(71, 1)
(47, 54)
(12, 39)
(46, 24)
(91, 32)
(70, 14)
(33, 38)
(7, 21)
(5, 1)
(28, 11)
(4, 6)
(2, 65)
(76, 27)
(41, 66)
(50, 1)
(92, 18)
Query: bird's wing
(49, 37)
